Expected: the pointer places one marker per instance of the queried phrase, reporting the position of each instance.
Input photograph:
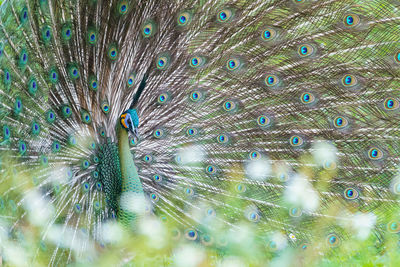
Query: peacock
(279, 116)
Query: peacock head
(130, 121)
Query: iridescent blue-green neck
(130, 178)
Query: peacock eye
(307, 98)
(162, 62)
(112, 52)
(263, 121)
(105, 107)
(148, 29)
(184, 18)
(196, 96)
(375, 153)
(191, 234)
(154, 197)
(397, 57)
(254, 155)
(191, 131)
(158, 133)
(224, 15)
(340, 122)
(296, 141)
(349, 80)
(233, 64)
(157, 178)
(351, 20)
(240, 188)
(223, 139)
(253, 216)
(271, 80)
(123, 7)
(351, 193)
(211, 169)
(196, 62)
(391, 104)
(230, 106)
(268, 34)
(305, 50)
(163, 98)
(295, 212)
(333, 240)
(131, 79)
(393, 227)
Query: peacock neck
(131, 184)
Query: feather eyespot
(223, 139)
(112, 52)
(375, 153)
(340, 122)
(295, 212)
(191, 132)
(240, 188)
(211, 169)
(351, 20)
(158, 133)
(349, 80)
(131, 79)
(154, 197)
(157, 178)
(225, 15)
(305, 50)
(307, 98)
(350, 193)
(263, 121)
(333, 240)
(191, 234)
(254, 155)
(296, 141)
(233, 64)
(22, 147)
(184, 18)
(148, 29)
(393, 227)
(268, 34)
(162, 62)
(105, 107)
(391, 104)
(163, 98)
(271, 80)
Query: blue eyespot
(157, 178)
(349, 80)
(333, 240)
(351, 193)
(393, 227)
(375, 153)
(158, 133)
(233, 64)
(305, 50)
(196, 96)
(191, 234)
(254, 155)
(295, 212)
(296, 141)
(240, 188)
(229, 106)
(154, 197)
(271, 80)
(163, 98)
(211, 169)
(340, 122)
(263, 121)
(223, 139)
(391, 104)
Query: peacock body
(279, 117)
